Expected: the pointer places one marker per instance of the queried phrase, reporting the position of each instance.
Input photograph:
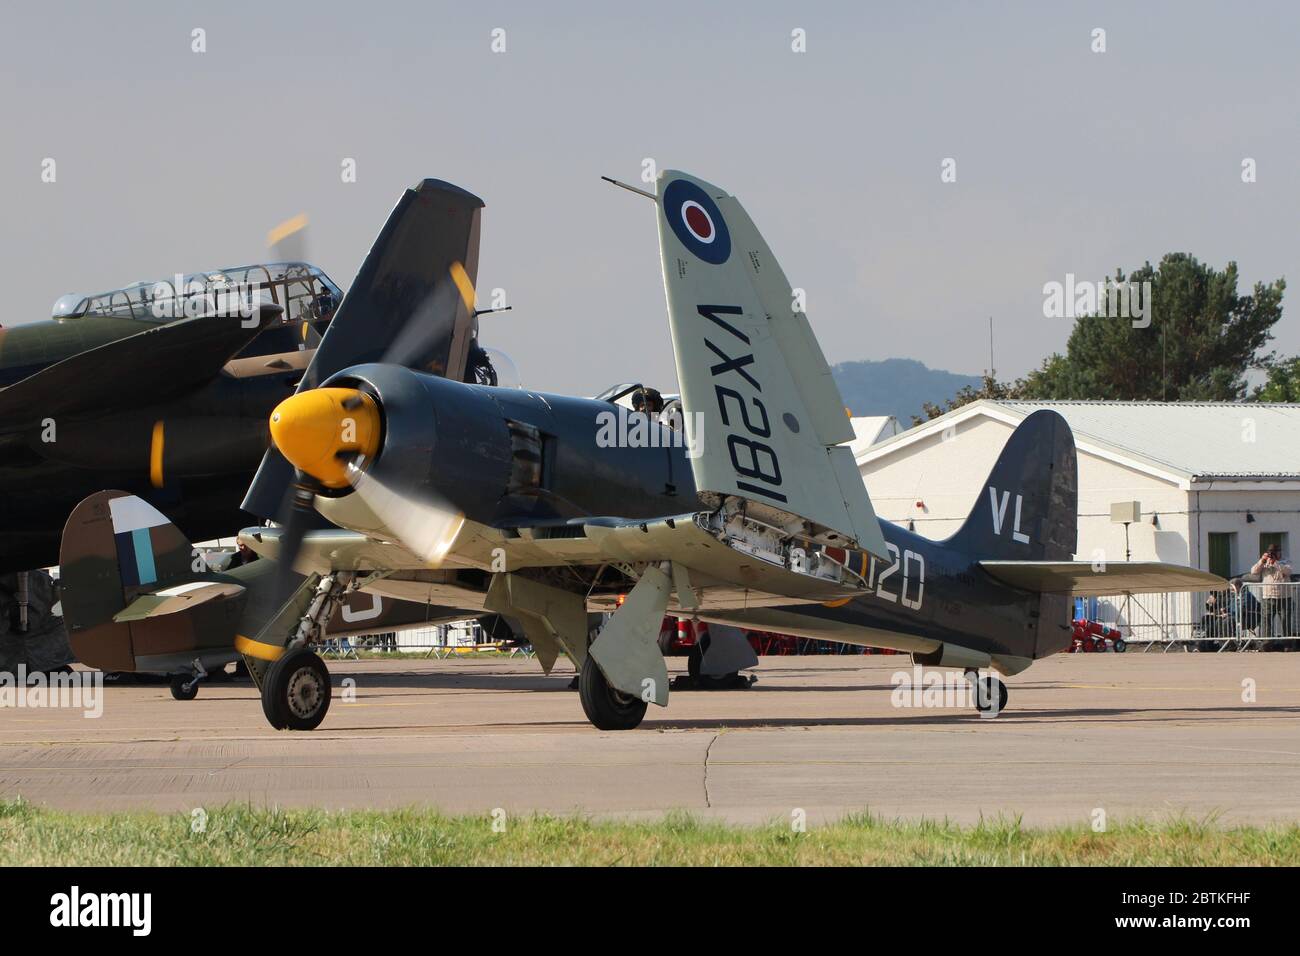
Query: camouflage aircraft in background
(749, 513)
(164, 389)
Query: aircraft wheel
(179, 688)
(695, 661)
(296, 693)
(605, 707)
(988, 690)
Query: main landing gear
(296, 691)
(605, 707)
(295, 687)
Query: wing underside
(715, 569)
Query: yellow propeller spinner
(320, 429)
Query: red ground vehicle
(1094, 637)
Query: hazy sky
(1067, 160)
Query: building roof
(1188, 441)
(869, 429)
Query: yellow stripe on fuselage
(156, 455)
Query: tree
(1201, 340)
(990, 387)
(1283, 384)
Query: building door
(1223, 545)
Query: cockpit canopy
(305, 292)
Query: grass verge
(241, 835)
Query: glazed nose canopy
(319, 430)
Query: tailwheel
(605, 707)
(296, 692)
(990, 696)
(185, 686)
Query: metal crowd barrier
(1252, 616)
(438, 641)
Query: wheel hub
(304, 692)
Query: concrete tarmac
(1134, 734)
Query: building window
(1269, 538)
(1223, 546)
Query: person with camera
(1274, 574)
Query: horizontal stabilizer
(1094, 579)
(181, 597)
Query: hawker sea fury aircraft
(507, 501)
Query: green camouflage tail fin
(136, 594)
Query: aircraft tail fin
(1027, 510)
(136, 595)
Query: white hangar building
(1217, 482)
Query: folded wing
(760, 403)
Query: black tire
(1121, 646)
(694, 662)
(988, 688)
(179, 690)
(605, 707)
(296, 693)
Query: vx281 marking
(760, 462)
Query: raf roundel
(696, 220)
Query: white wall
(1103, 482)
(948, 476)
(1223, 508)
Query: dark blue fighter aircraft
(737, 503)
